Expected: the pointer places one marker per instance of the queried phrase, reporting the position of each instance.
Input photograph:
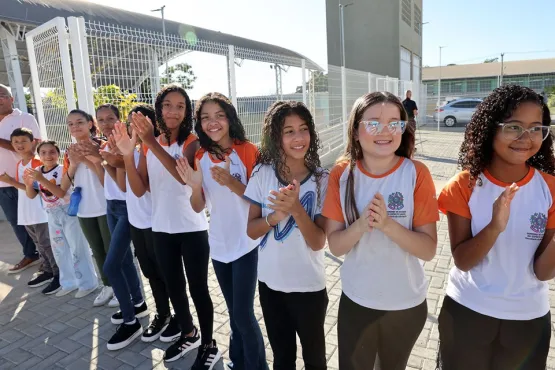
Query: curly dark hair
(186, 126)
(271, 150)
(236, 129)
(477, 148)
(353, 150)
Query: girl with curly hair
(286, 192)
(223, 167)
(180, 234)
(501, 215)
(381, 215)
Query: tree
(181, 74)
(320, 82)
(491, 60)
(451, 64)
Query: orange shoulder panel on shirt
(198, 155)
(247, 152)
(17, 171)
(550, 180)
(425, 201)
(35, 162)
(190, 139)
(454, 197)
(332, 204)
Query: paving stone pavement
(40, 332)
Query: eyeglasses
(376, 128)
(514, 131)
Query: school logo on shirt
(237, 176)
(176, 156)
(538, 223)
(395, 202)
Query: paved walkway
(39, 332)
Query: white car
(457, 111)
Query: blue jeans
(237, 280)
(8, 202)
(119, 266)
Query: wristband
(268, 222)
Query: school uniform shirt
(9, 159)
(54, 176)
(93, 201)
(285, 262)
(228, 240)
(172, 212)
(138, 209)
(111, 188)
(377, 273)
(503, 285)
(29, 211)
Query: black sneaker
(172, 332)
(140, 311)
(125, 335)
(40, 279)
(207, 357)
(155, 329)
(181, 347)
(53, 287)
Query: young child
(175, 225)
(223, 167)
(164, 325)
(70, 248)
(119, 265)
(286, 192)
(30, 212)
(381, 215)
(501, 215)
(86, 172)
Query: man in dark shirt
(411, 108)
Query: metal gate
(51, 75)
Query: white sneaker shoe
(105, 295)
(113, 302)
(84, 293)
(62, 292)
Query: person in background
(222, 170)
(286, 192)
(30, 212)
(501, 217)
(411, 108)
(381, 215)
(10, 119)
(70, 248)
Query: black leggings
(470, 340)
(143, 241)
(192, 250)
(364, 332)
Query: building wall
(371, 35)
(409, 38)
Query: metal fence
(113, 64)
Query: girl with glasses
(501, 217)
(381, 216)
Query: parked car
(457, 111)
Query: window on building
(485, 85)
(431, 88)
(536, 82)
(406, 12)
(549, 82)
(415, 68)
(472, 86)
(417, 19)
(456, 87)
(405, 64)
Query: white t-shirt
(285, 262)
(228, 240)
(377, 273)
(9, 159)
(503, 285)
(138, 209)
(29, 211)
(111, 188)
(93, 202)
(54, 176)
(172, 212)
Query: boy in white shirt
(30, 212)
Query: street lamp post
(439, 90)
(342, 30)
(161, 10)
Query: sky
(471, 30)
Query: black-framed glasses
(514, 131)
(376, 128)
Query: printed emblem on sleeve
(237, 176)
(395, 202)
(538, 223)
